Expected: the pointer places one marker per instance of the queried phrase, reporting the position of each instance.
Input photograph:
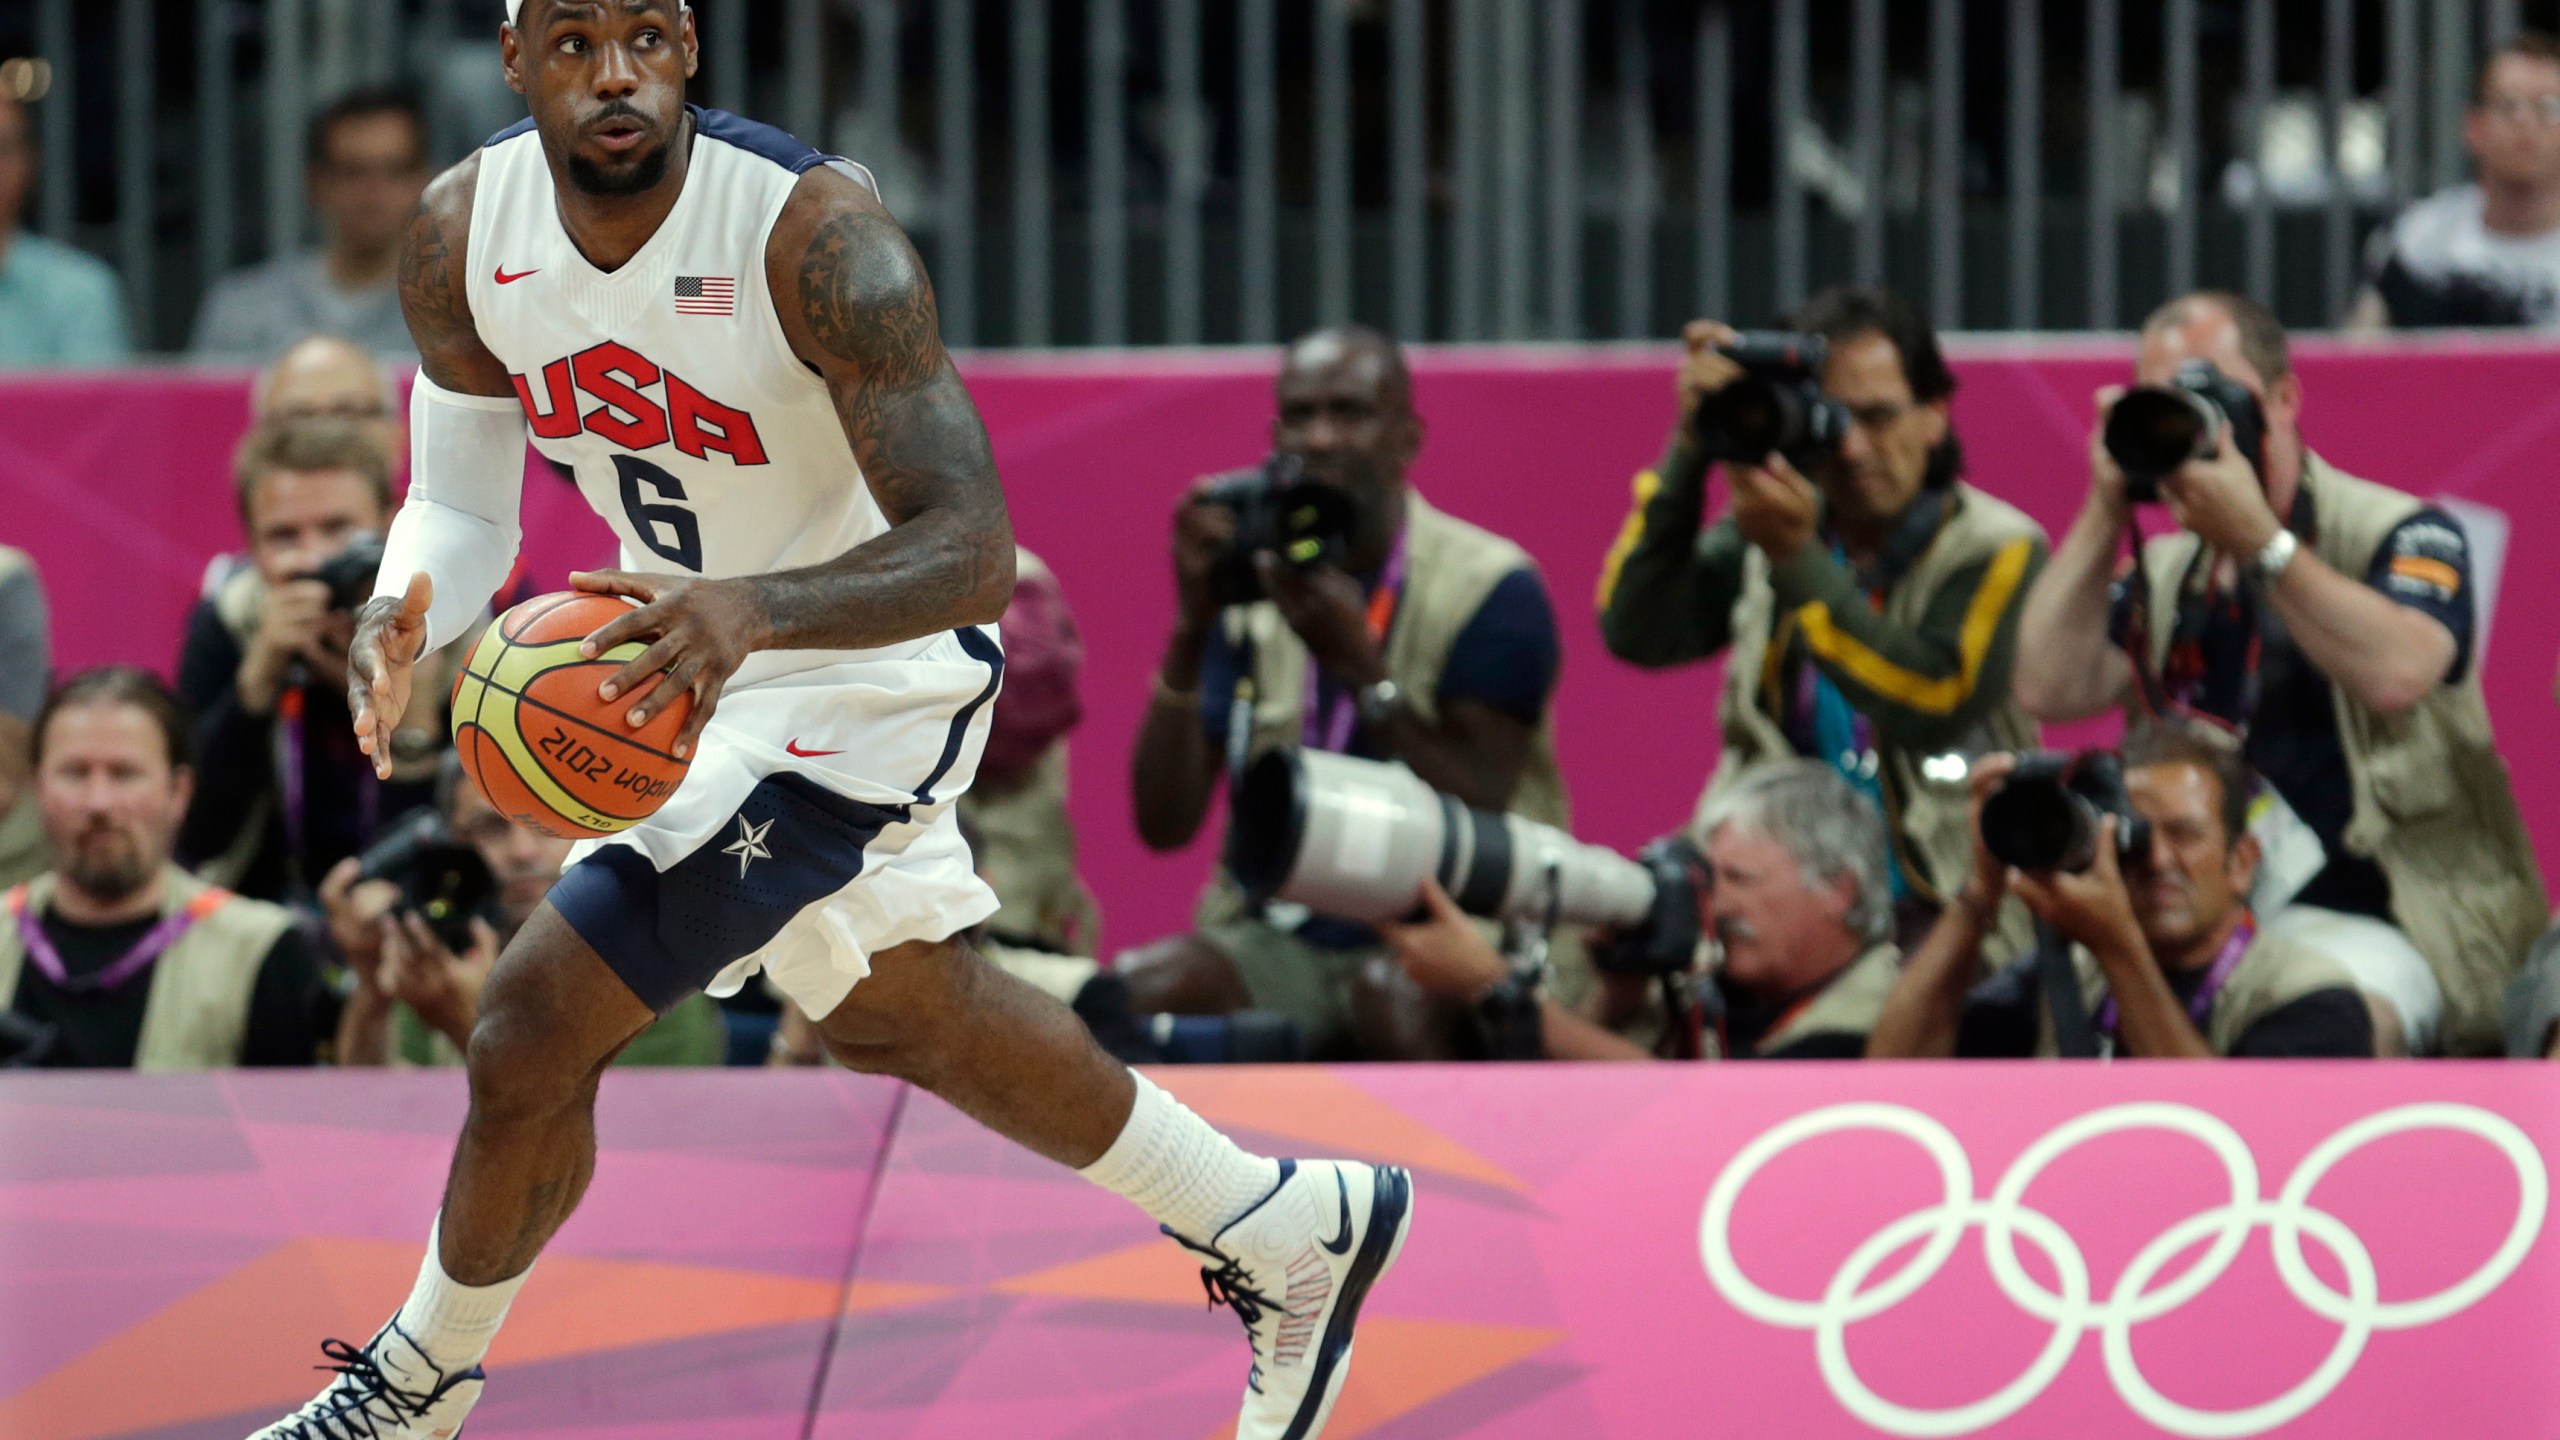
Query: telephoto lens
(2045, 815)
(2154, 429)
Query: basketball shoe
(389, 1390)
(1295, 1269)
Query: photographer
(116, 958)
(1799, 907)
(2337, 639)
(1410, 636)
(417, 977)
(1866, 593)
(2168, 960)
(26, 667)
(285, 794)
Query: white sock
(1170, 1163)
(454, 1323)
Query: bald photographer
(2325, 621)
(1864, 595)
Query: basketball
(538, 741)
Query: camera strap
(154, 943)
(2176, 692)
(1328, 726)
(2200, 1007)
(2074, 1038)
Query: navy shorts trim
(982, 648)
(791, 844)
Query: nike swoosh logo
(794, 748)
(1341, 1244)
(506, 279)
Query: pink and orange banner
(1761, 1251)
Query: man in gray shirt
(25, 670)
(368, 167)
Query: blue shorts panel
(791, 844)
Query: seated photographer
(117, 958)
(26, 666)
(2167, 959)
(284, 793)
(1016, 809)
(1393, 632)
(1797, 903)
(1867, 595)
(419, 924)
(2336, 639)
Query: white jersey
(668, 386)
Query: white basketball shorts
(813, 830)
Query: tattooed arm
(432, 292)
(858, 310)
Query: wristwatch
(1378, 701)
(2269, 563)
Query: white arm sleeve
(460, 523)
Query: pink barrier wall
(1599, 1252)
(117, 486)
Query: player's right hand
(390, 636)
(1201, 534)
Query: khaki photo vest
(2273, 972)
(196, 1016)
(2434, 807)
(1928, 819)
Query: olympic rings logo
(1854, 1293)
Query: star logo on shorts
(750, 844)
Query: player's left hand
(700, 632)
(1326, 608)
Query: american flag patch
(706, 295)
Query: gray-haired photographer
(1864, 595)
(1775, 942)
(2328, 622)
(2139, 867)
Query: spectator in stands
(2169, 962)
(2486, 253)
(323, 377)
(367, 170)
(414, 1001)
(58, 305)
(283, 793)
(1869, 612)
(1800, 908)
(1017, 807)
(1432, 643)
(26, 667)
(116, 957)
(2331, 619)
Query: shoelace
(349, 1415)
(1230, 1286)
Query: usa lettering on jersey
(620, 378)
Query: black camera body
(1776, 406)
(1666, 943)
(350, 573)
(2154, 429)
(1304, 522)
(442, 879)
(2045, 816)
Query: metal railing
(1174, 171)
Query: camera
(442, 879)
(2045, 816)
(1355, 839)
(2154, 429)
(349, 574)
(1304, 522)
(1776, 405)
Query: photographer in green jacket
(1868, 596)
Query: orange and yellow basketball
(536, 739)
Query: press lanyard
(150, 947)
(1328, 726)
(292, 760)
(2214, 979)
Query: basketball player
(734, 346)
